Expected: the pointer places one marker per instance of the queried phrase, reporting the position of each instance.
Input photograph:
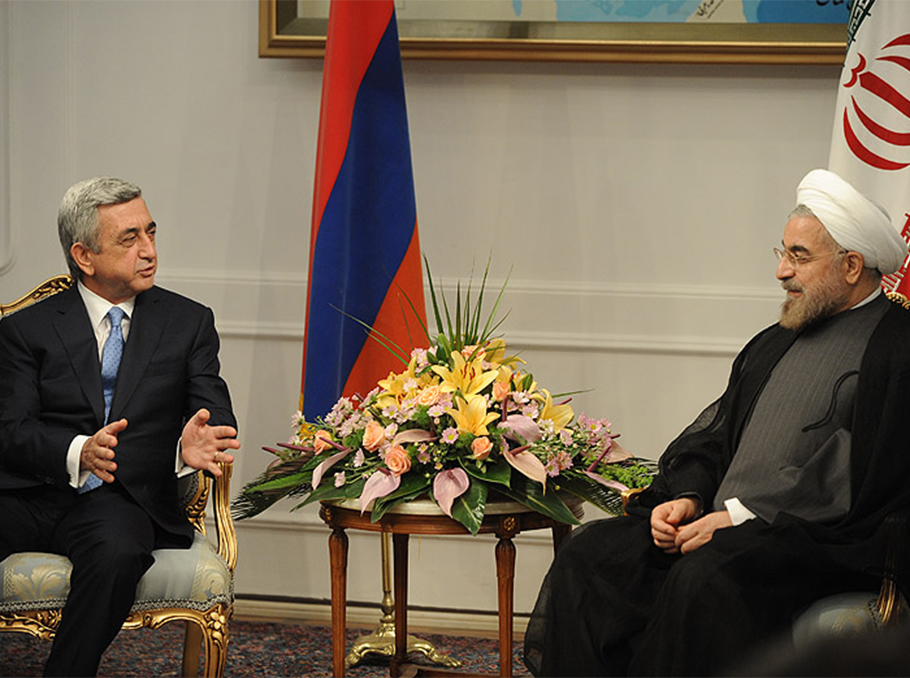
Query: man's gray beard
(798, 313)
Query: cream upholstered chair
(194, 585)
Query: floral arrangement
(462, 422)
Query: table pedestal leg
(382, 640)
(560, 532)
(338, 565)
(400, 567)
(505, 573)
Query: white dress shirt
(98, 309)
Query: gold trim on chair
(46, 289)
(206, 628)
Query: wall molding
(291, 279)
(270, 306)
(365, 616)
(7, 251)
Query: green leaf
(283, 483)
(591, 491)
(530, 494)
(328, 492)
(433, 299)
(388, 344)
(412, 486)
(499, 471)
(468, 509)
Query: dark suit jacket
(50, 391)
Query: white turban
(854, 221)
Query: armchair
(858, 612)
(194, 585)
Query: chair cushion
(196, 577)
(844, 613)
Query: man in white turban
(775, 496)
(843, 224)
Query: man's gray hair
(77, 220)
(802, 211)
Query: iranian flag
(870, 145)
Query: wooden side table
(505, 519)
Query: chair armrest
(889, 597)
(224, 523)
(628, 494)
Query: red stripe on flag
(874, 84)
(347, 58)
(395, 321)
(863, 153)
(883, 133)
(900, 40)
(354, 31)
(901, 61)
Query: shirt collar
(98, 307)
(875, 293)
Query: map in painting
(673, 11)
(658, 11)
(607, 11)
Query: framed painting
(661, 31)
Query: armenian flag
(364, 268)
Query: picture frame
(284, 32)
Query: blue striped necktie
(110, 364)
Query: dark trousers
(109, 540)
(613, 604)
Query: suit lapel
(77, 336)
(146, 326)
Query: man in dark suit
(100, 411)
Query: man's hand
(202, 446)
(700, 532)
(666, 519)
(97, 455)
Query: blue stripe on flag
(366, 228)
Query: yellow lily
(472, 416)
(467, 377)
(394, 386)
(496, 354)
(560, 415)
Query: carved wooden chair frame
(208, 627)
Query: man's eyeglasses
(795, 259)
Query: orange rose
(501, 390)
(321, 441)
(428, 396)
(373, 436)
(481, 447)
(397, 460)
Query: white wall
(638, 205)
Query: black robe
(614, 604)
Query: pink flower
(397, 459)
(481, 447)
(322, 441)
(373, 436)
